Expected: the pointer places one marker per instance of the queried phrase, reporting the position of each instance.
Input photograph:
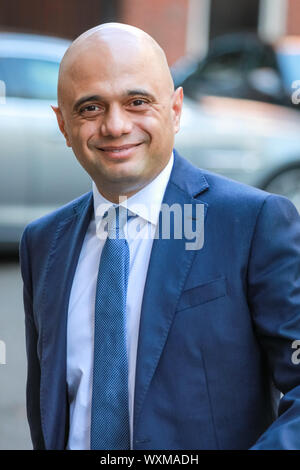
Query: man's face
(119, 115)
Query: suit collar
(187, 177)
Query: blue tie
(110, 416)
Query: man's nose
(116, 122)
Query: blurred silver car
(38, 172)
(256, 143)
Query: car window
(222, 68)
(263, 76)
(29, 78)
(218, 74)
(262, 57)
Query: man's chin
(123, 180)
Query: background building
(182, 27)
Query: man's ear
(177, 107)
(61, 123)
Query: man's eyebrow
(84, 99)
(140, 92)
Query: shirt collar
(146, 203)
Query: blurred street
(14, 431)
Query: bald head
(118, 42)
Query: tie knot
(116, 218)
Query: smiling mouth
(119, 149)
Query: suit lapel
(61, 267)
(168, 268)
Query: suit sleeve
(274, 298)
(33, 365)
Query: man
(177, 348)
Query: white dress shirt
(80, 327)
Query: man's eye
(138, 102)
(90, 108)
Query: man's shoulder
(50, 221)
(222, 186)
(216, 186)
(230, 198)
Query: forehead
(111, 70)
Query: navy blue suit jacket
(217, 324)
